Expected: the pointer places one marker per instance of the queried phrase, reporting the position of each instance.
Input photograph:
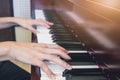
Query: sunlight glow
(111, 3)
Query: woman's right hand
(34, 54)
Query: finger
(47, 22)
(50, 46)
(31, 29)
(43, 45)
(56, 52)
(42, 23)
(56, 46)
(44, 67)
(50, 23)
(57, 60)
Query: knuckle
(42, 64)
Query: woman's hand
(28, 23)
(34, 54)
(23, 22)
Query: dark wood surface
(35, 73)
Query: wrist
(4, 51)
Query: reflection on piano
(94, 55)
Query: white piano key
(54, 67)
(39, 14)
(44, 36)
(57, 78)
(85, 66)
(57, 69)
(71, 51)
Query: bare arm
(34, 54)
(31, 53)
(6, 22)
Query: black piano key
(54, 28)
(60, 34)
(51, 16)
(62, 37)
(80, 57)
(81, 63)
(67, 40)
(83, 72)
(57, 26)
(74, 48)
(86, 78)
(72, 45)
(60, 31)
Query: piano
(88, 29)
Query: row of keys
(82, 62)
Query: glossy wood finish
(96, 23)
(41, 4)
(92, 15)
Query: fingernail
(52, 77)
(51, 23)
(69, 67)
(69, 58)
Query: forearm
(7, 22)
(4, 49)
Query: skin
(31, 53)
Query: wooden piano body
(95, 23)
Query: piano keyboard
(83, 64)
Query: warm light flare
(111, 3)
